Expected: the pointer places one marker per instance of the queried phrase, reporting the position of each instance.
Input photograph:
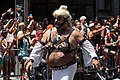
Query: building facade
(77, 8)
(44, 8)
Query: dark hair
(4, 33)
(95, 23)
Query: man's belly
(58, 58)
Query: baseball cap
(83, 18)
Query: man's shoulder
(76, 29)
(76, 32)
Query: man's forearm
(37, 53)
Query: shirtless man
(61, 44)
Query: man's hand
(28, 65)
(49, 45)
(96, 64)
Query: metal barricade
(82, 72)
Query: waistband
(82, 41)
(89, 67)
(64, 66)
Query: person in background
(50, 26)
(23, 41)
(84, 26)
(9, 14)
(95, 33)
(7, 43)
(4, 52)
(77, 25)
(39, 31)
(117, 57)
(109, 50)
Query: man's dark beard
(59, 25)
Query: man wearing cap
(84, 27)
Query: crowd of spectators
(104, 34)
(17, 39)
